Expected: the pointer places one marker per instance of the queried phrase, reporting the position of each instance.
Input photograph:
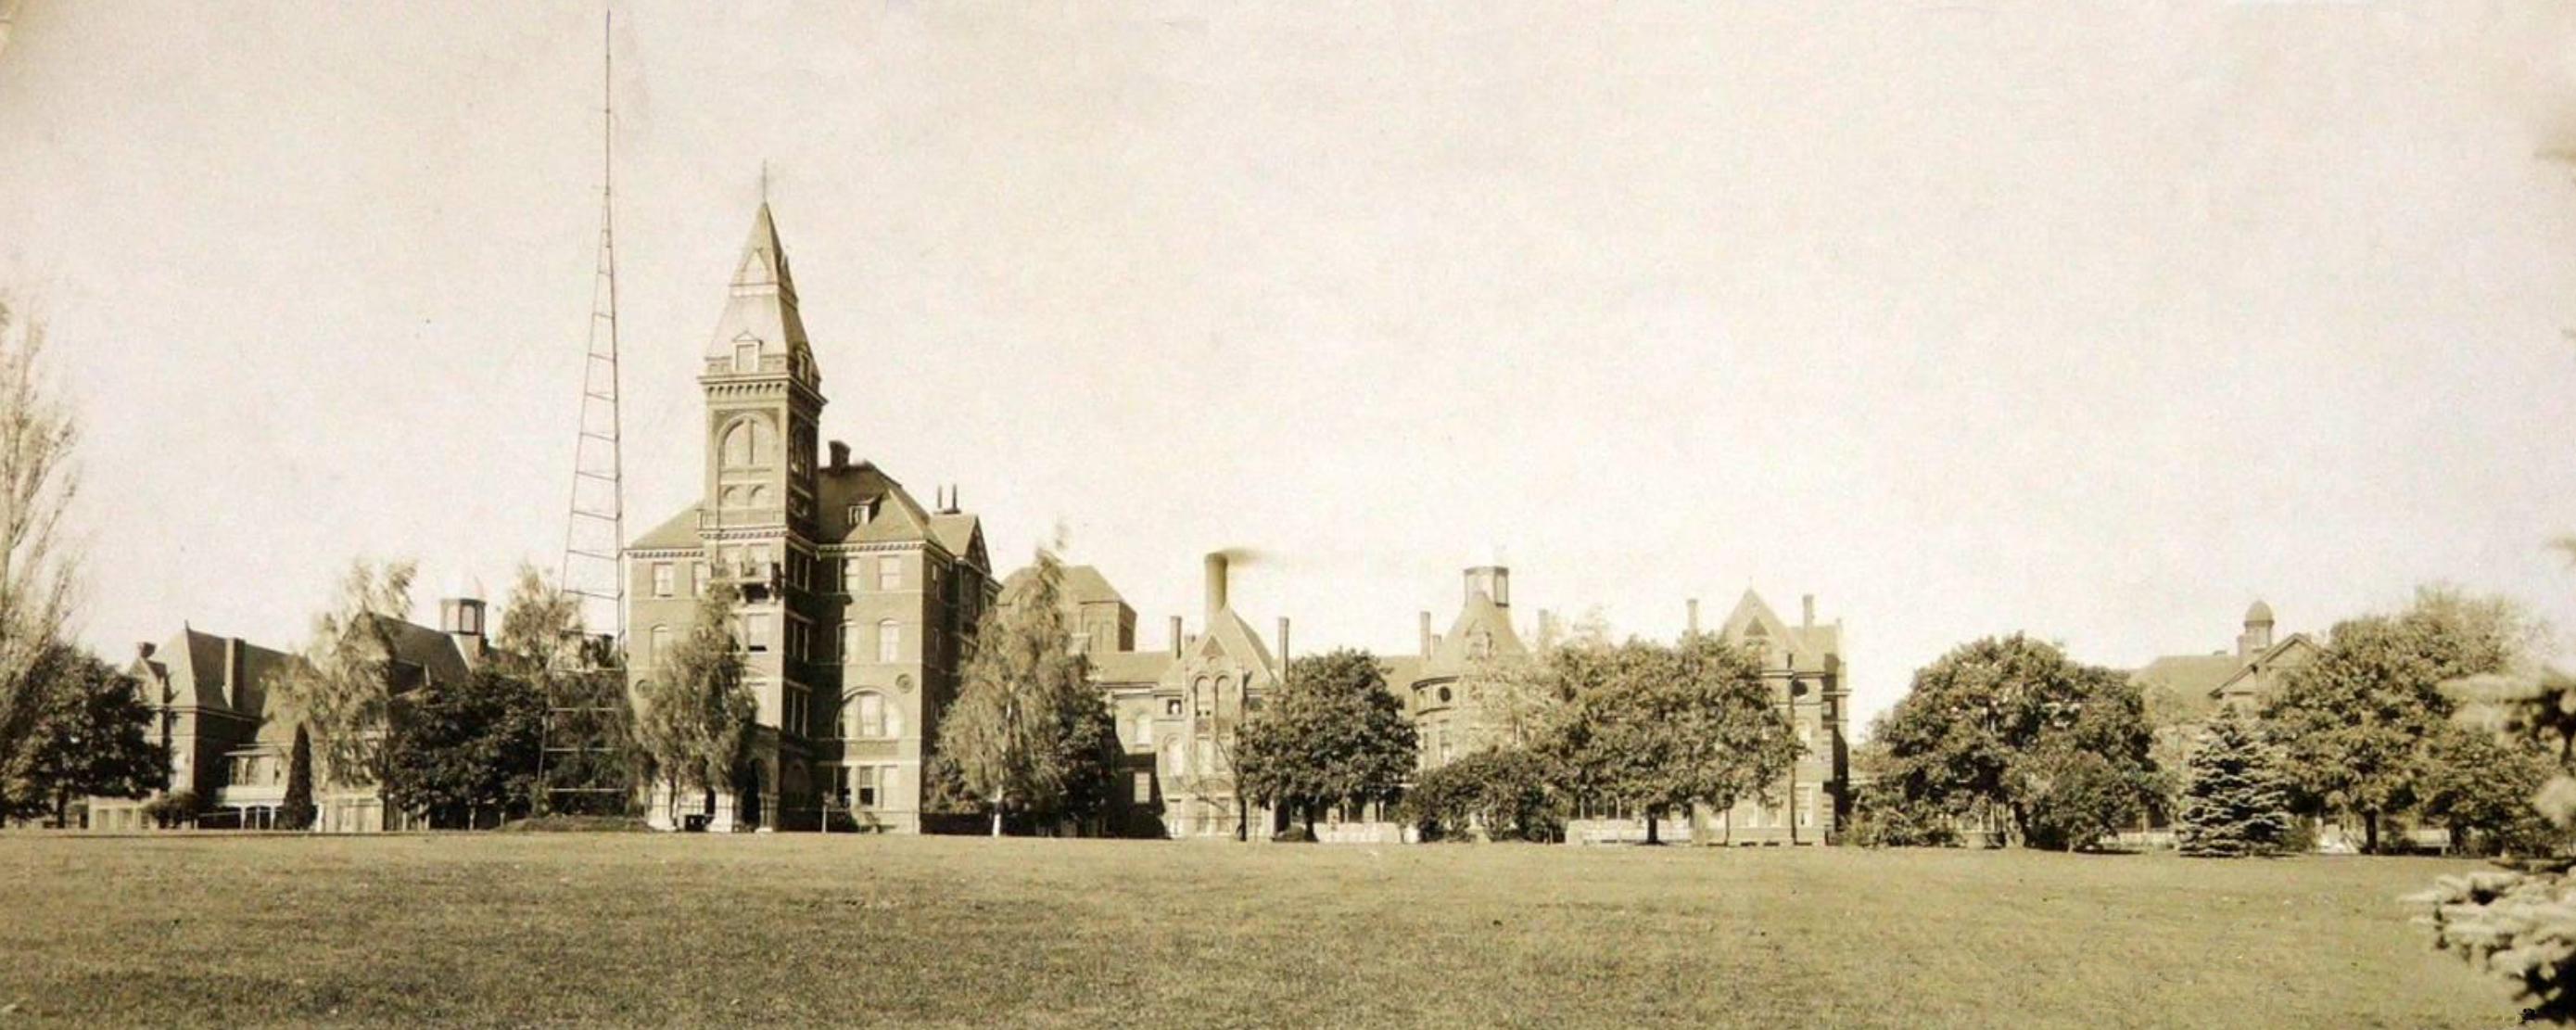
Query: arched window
(747, 444)
(660, 649)
(889, 641)
(868, 715)
(760, 496)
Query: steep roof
(1083, 584)
(760, 309)
(962, 534)
(1455, 652)
(1130, 667)
(1228, 634)
(2292, 651)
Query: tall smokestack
(1215, 585)
(1176, 636)
(1694, 616)
(1426, 634)
(1808, 620)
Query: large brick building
(859, 602)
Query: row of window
(752, 632)
(753, 559)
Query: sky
(2093, 321)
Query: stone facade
(859, 602)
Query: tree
(1502, 791)
(462, 749)
(37, 487)
(2518, 922)
(2234, 803)
(2356, 723)
(1883, 817)
(1999, 725)
(297, 812)
(173, 808)
(694, 713)
(1021, 736)
(1517, 699)
(1662, 728)
(89, 737)
(2479, 786)
(591, 763)
(1333, 733)
(344, 689)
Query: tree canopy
(1029, 733)
(37, 485)
(694, 711)
(462, 749)
(1663, 727)
(2011, 726)
(344, 689)
(2234, 803)
(1332, 733)
(90, 735)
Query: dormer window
(746, 356)
(859, 514)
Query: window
(755, 631)
(849, 641)
(867, 716)
(660, 649)
(1172, 706)
(1144, 787)
(747, 443)
(858, 515)
(889, 573)
(799, 708)
(1176, 758)
(698, 585)
(868, 777)
(1144, 734)
(1479, 645)
(746, 356)
(889, 641)
(1444, 695)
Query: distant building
(1177, 707)
(220, 707)
(859, 602)
(1430, 681)
(2185, 690)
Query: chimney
(840, 455)
(143, 650)
(1215, 585)
(1694, 616)
(1808, 619)
(463, 619)
(1426, 634)
(1176, 636)
(1283, 648)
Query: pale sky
(2089, 320)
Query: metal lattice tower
(595, 534)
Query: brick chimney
(840, 455)
(1426, 634)
(1177, 639)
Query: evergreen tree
(296, 812)
(2236, 803)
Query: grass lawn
(697, 930)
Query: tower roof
(761, 332)
(2258, 615)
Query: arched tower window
(747, 444)
(870, 716)
(660, 648)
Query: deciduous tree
(90, 736)
(37, 485)
(1333, 733)
(1029, 733)
(695, 710)
(1660, 728)
(1996, 726)
(465, 748)
(344, 689)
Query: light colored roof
(1083, 584)
(680, 532)
(1130, 666)
(2291, 652)
(2259, 614)
(2177, 688)
(1452, 656)
(960, 533)
(760, 307)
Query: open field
(698, 930)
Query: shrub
(1882, 817)
(172, 809)
(1503, 791)
(576, 824)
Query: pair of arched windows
(748, 443)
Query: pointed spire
(761, 332)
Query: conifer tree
(296, 812)
(2236, 803)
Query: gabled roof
(1083, 584)
(962, 534)
(1130, 667)
(1479, 614)
(893, 515)
(1229, 635)
(2292, 651)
